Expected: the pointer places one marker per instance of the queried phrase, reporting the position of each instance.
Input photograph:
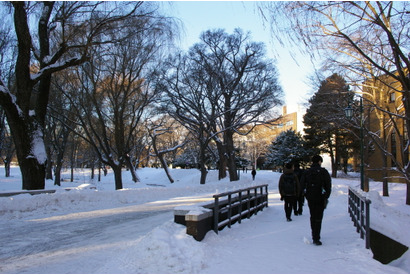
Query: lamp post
(349, 114)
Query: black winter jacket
(325, 183)
(281, 182)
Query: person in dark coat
(300, 199)
(289, 188)
(253, 173)
(318, 186)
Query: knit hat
(317, 158)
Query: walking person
(253, 173)
(318, 186)
(288, 189)
(300, 198)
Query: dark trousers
(316, 209)
(298, 204)
(289, 202)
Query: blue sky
(199, 16)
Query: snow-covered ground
(266, 243)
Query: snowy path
(288, 246)
(43, 243)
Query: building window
(393, 97)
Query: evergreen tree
(325, 119)
(288, 147)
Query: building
(254, 145)
(289, 121)
(387, 134)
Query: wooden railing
(238, 204)
(359, 210)
(226, 209)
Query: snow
(55, 66)
(38, 150)
(265, 243)
(3, 89)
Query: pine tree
(325, 119)
(288, 147)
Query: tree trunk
(99, 173)
(72, 173)
(30, 153)
(59, 165)
(332, 159)
(230, 150)
(117, 169)
(222, 160)
(92, 171)
(33, 174)
(134, 175)
(345, 163)
(168, 174)
(165, 166)
(202, 166)
(49, 165)
(57, 175)
(7, 168)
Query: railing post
(255, 192)
(249, 203)
(216, 214)
(240, 207)
(266, 194)
(357, 205)
(362, 218)
(229, 210)
(368, 224)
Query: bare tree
(163, 141)
(247, 87)
(231, 84)
(63, 37)
(184, 98)
(60, 124)
(115, 93)
(352, 34)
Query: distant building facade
(253, 146)
(288, 121)
(384, 113)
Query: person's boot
(317, 242)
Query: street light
(349, 114)
(349, 111)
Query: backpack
(314, 184)
(289, 184)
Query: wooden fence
(226, 209)
(239, 204)
(359, 210)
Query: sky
(93, 229)
(199, 16)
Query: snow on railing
(239, 203)
(226, 209)
(359, 210)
